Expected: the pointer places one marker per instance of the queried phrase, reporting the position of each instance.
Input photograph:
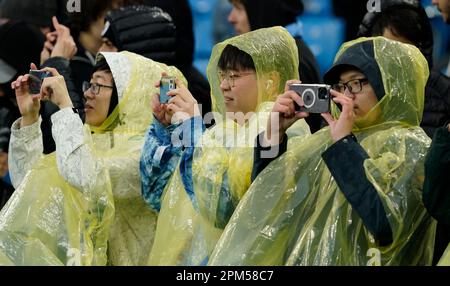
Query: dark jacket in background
(436, 188)
(48, 108)
(269, 13)
(20, 45)
(82, 65)
(352, 11)
(181, 14)
(6, 191)
(437, 103)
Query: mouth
(88, 107)
(228, 99)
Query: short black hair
(233, 58)
(404, 21)
(102, 65)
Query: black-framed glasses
(231, 77)
(353, 86)
(94, 87)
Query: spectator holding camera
(81, 205)
(351, 193)
(196, 185)
(408, 22)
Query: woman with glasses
(351, 193)
(196, 187)
(81, 205)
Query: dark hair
(91, 11)
(102, 65)
(405, 21)
(242, 2)
(233, 58)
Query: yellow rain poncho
(295, 214)
(445, 259)
(222, 162)
(49, 222)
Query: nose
(88, 94)
(232, 16)
(224, 85)
(348, 93)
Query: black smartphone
(167, 84)
(35, 80)
(316, 97)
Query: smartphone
(35, 80)
(316, 97)
(167, 84)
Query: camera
(35, 80)
(316, 97)
(167, 84)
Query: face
(96, 29)
(3, 164)
(444, 8)
(108, 46)
(364, 100)
(97, 105)
(239, 19)
(241, 94)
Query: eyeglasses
(353, 86)
(94, 87)
(231, 77)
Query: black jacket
(6, 192)
(436, 190)
(82, 66)
(48, 108)
(437, 103)
(345, 160)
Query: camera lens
(308, 98)
(323, 93)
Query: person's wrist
(273, 137)
(29, 119)
(448, 127)
(64, 103)
(339, 136)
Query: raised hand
(344, 124)
(283, 115)
(28, 104)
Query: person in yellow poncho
(197, 188)
(82, 205)
(351, 193)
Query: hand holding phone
(35, 80)
(167, 84)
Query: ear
(272, 84)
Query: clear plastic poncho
(223, 158)
(445, 259)
(294, 212)
(48, 222)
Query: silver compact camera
(316, 97)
